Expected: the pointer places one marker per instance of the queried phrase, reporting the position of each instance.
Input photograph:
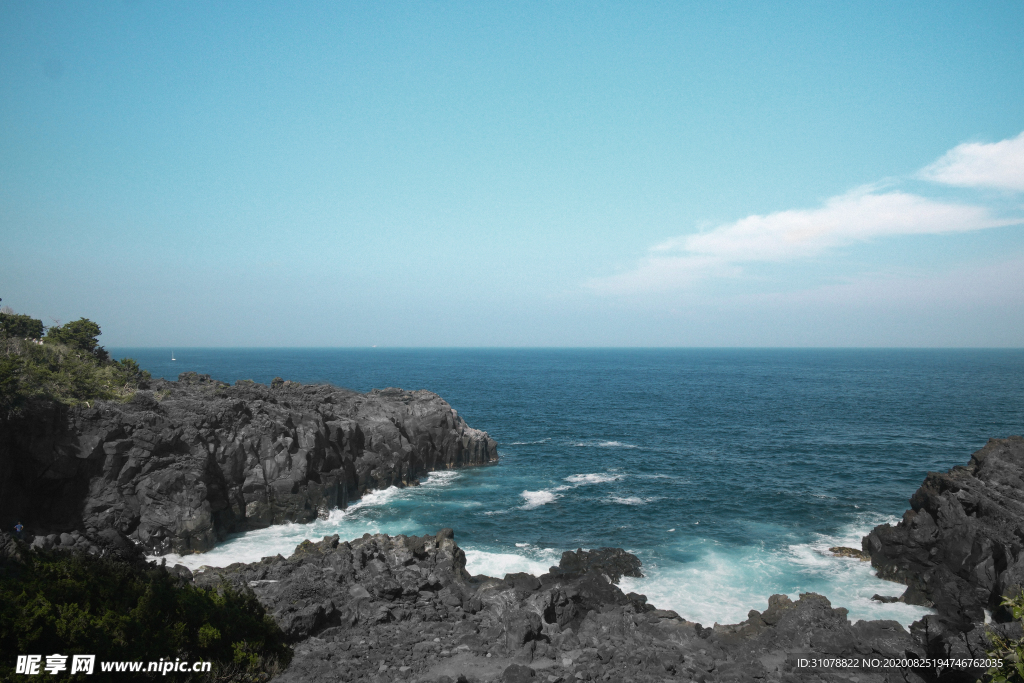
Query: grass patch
(67, 366)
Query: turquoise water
(729, 472)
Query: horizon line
(577, 348)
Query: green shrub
(17, 325)
(67, 374)
(80, 335)
(78, 604)
(1010, 651)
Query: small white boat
(172, 355)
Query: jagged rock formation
(961, 545)
(184, 463)
(386, 608)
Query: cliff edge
(184, 463)
(960, 548)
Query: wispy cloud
(863, 214)
(977, 164)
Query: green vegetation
(15, 325)
(1010, 651)
(78, 604)
(68, 366)
(119, 611)
(79, 335)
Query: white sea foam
(440, 479)
(603, 444)
(370, 499)
(361, 517)
(723, 584)
(594, 478)
(632, 500)
(528, 443)
(534, 499)
(531, 560)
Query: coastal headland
(184, 463)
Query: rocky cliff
(960, 547)
(184, 463)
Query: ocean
(728, 472)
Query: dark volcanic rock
(375, 579)
(612, 562)
(960, 545)
(184, 463)
(386, 608)
(843, 551)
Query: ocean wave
(439, 479)
(852, 582)
(603, 444)
(528, 443)
(632, 500)
(369, 500)
(531, 560)
(593, 478)
(535, 499)
(360, 517)
(724, 583)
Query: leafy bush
(78, 604)
(1010, 651)
(79, 335)
(16, 325)
(70, 367)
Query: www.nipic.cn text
(31, 665)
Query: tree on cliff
(70, 367)
(18, 325)
(80, 334)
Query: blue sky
(521, 174)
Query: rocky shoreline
(399, 608)
(184, 463)
(385, 608)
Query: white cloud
(975, 164)
(863, 214)
(853, 217)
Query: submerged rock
(843, 551)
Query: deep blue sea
(729, 472)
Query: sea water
(728, 472)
